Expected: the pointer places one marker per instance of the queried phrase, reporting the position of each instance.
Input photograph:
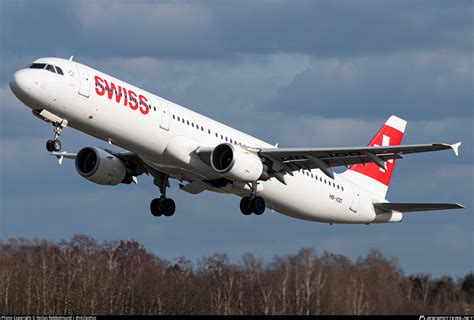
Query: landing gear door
(165, 116)
(84, 81)
(355, 198)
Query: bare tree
(80, 276)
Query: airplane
(168, 141)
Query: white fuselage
(167, 144)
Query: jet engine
(101, 167)
(236, 163)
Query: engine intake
(101, 167)
(236, 163)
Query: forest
(83, 276)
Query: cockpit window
(38, 66)
(50, 68)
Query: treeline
(81, 276)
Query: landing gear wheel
(57, 145)
(155, 207)
(245, 206)
(162, 206)
(168, 207)
(49, 145)
(257, 205)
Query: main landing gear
(55, 145)
(252, 204)
(162, 205)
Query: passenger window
(192, 124)
(179, 119)
(217, 136)
(209, 131)
(187, 121)
(59, 70)
(50, 68)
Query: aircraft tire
(155, 207)
(168, 207)
(245, 207)
(49, 145)
(57, 145)
(257, 205)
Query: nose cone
(19, 82)
(21, 85)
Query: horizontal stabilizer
(410, 207)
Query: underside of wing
(413, 207)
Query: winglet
(455, 148)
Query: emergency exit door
(165, 116)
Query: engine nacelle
(101, 167)
(236, 163)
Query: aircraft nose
(22, 85)
(19, 83)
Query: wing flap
(413, 207)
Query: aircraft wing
(287, 160)
(410, 207)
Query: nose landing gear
(55, 145)
(253, 204)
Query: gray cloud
(216, 29)
(414, 85)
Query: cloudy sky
(301, 73)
